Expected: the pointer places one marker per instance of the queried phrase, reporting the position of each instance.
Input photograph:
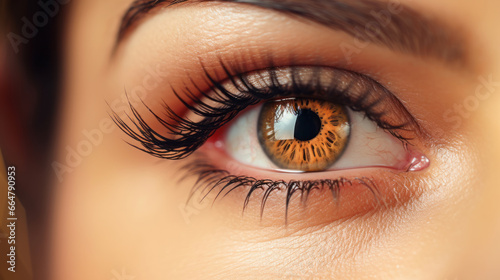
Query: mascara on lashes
(240, 89)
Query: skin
(120, 208)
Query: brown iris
(303, 134)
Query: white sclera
(368, 144)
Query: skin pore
(117, 208)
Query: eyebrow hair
(404, 30)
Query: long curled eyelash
(210, 178)
(219, 105)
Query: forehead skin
(104, 224)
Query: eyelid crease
(219, 104)
(396, 26)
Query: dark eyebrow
(388, 24)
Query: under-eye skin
(316, 94)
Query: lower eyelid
(213, 149)
(359, 192)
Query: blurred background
(29, 71)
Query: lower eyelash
(211, 178)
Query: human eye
(286, 135)
(331, 121)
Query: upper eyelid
(162, 146)
(357, 79)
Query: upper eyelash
(186, 136)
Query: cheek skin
(390, 233)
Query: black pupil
(307, 125)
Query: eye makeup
(207, 111)
(228, 96)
